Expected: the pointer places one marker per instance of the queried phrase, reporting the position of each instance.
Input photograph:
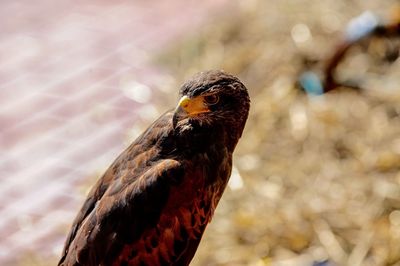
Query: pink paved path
(65, 70)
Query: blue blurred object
(311, 83)
(361, 26)
(322, 263)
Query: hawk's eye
(211, 99)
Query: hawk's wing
(119, 205)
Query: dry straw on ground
(317, 178)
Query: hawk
(154, 202)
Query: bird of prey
(154, 202)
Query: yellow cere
(193, 106)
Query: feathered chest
(188, 210)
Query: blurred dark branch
(360, 30)
(380, 31)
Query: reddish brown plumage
(153, 204)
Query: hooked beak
(189, 107)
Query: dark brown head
(214, 101)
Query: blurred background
(316, 177)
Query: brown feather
(152, 205)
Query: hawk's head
(213, 101)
